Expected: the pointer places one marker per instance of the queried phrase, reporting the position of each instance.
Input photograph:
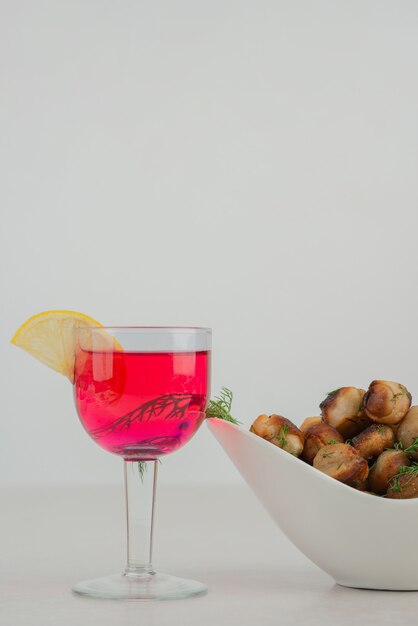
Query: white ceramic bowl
(359, 539)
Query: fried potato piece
(310, 421)
(373, 440)
(341, 409)
(280, 431)
(385, 468)
(407, 433)
(404, 486)
(386, 402)
(342, 462)
(318, 436)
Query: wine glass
(141, 393)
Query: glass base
(140, 587)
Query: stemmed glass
(141, 393)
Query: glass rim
(182, 329)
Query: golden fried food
(342, 462)
(355, 428)
(373, 440)
(280, 431)
(404, 486)
(318, 436)
(407, 433)
(386, 467)
(386, 402)
(341, 409)
(310, 421)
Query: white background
(250, 166)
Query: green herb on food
(403, 392)
(411, 471)
(412, 448)
(282, 435)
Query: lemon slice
(50, 338)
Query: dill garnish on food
(412, 448)
(282, 435)
(405, 470)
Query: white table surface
(53, 537)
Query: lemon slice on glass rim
(50, 337)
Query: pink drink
(141, 405)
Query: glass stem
(140, 488)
